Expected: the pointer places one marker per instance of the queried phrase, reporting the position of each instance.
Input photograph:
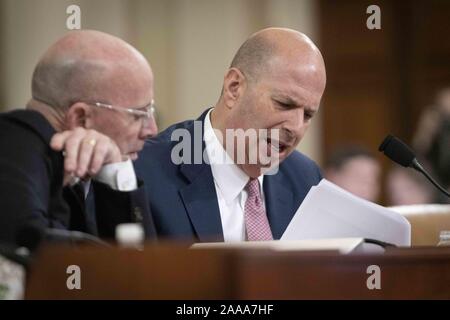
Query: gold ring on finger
(92, 142)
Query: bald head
(275, 84)
(257, 54)
(90, 66)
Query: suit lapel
(199, 195)
(200, 200)
(279, 203)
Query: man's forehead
(306, 75)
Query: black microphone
(401, 153)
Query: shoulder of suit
(298, 158)
(170, 134)
(24, 136)
(27, 122)
(158, 149)
(299, 165)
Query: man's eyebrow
(286, 99)
(294, 104)
(311, 110)
(144, 107)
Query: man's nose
(149, 128)
(296, 123)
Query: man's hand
(85, 151)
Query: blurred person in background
(356, 170)
(432, 139)
(407, 187)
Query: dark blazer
(183, 198)
(31, 186)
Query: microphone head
(397, 151)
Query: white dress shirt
(229, 181)
(119, 176)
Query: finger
(99, 155)
(71, 147)
(58, 140)
(70, 179)
(85, 152)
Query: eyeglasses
(143, 113)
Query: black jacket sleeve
(30, 184)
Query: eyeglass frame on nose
(148, 114)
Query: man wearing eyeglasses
(90, 114)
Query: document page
(329, 211)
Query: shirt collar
(230, 179)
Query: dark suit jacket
(183, 198)
(31, 192)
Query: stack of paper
(331, 212)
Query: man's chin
(133, 156)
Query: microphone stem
(417, 166)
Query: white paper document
(331, 212)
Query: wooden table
(175, 272)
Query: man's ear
(234, 85)
(79, 115)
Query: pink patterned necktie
(256, 223)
